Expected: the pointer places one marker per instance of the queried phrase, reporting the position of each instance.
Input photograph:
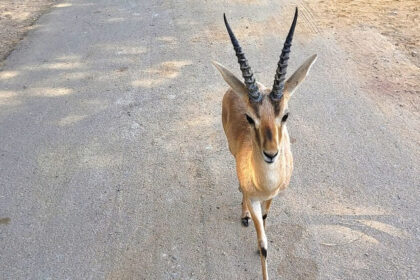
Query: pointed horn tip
(215, 63)
(313, 59)
(296, 15)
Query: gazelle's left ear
(231, 79)
(297, 78)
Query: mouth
(269, 160)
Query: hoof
(245, 221)
(264, 252)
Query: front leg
(245, 212)
(256, 214)
(266, 207)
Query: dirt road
(114, 165)
(16, 18)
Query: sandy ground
(383, 40)
(397, 20)
(16, 18)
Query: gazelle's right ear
(297, 78)
(237, 86)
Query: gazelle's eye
(285, 117)
(250, 120)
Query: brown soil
(397, 20)
(382, 37)
(16, 18)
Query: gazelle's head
(266, 109)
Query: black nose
(270, 156)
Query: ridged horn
(279, 78)
(251, 85)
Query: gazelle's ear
(237, 86)
(297, 78)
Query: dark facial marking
(264, 252)
(265, 216)
(268, 134)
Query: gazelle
(254, 119)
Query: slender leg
(256, 214)
(266, 208)
(245, 212)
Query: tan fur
(259, 181)
(254, 178)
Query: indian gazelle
(254, 120)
